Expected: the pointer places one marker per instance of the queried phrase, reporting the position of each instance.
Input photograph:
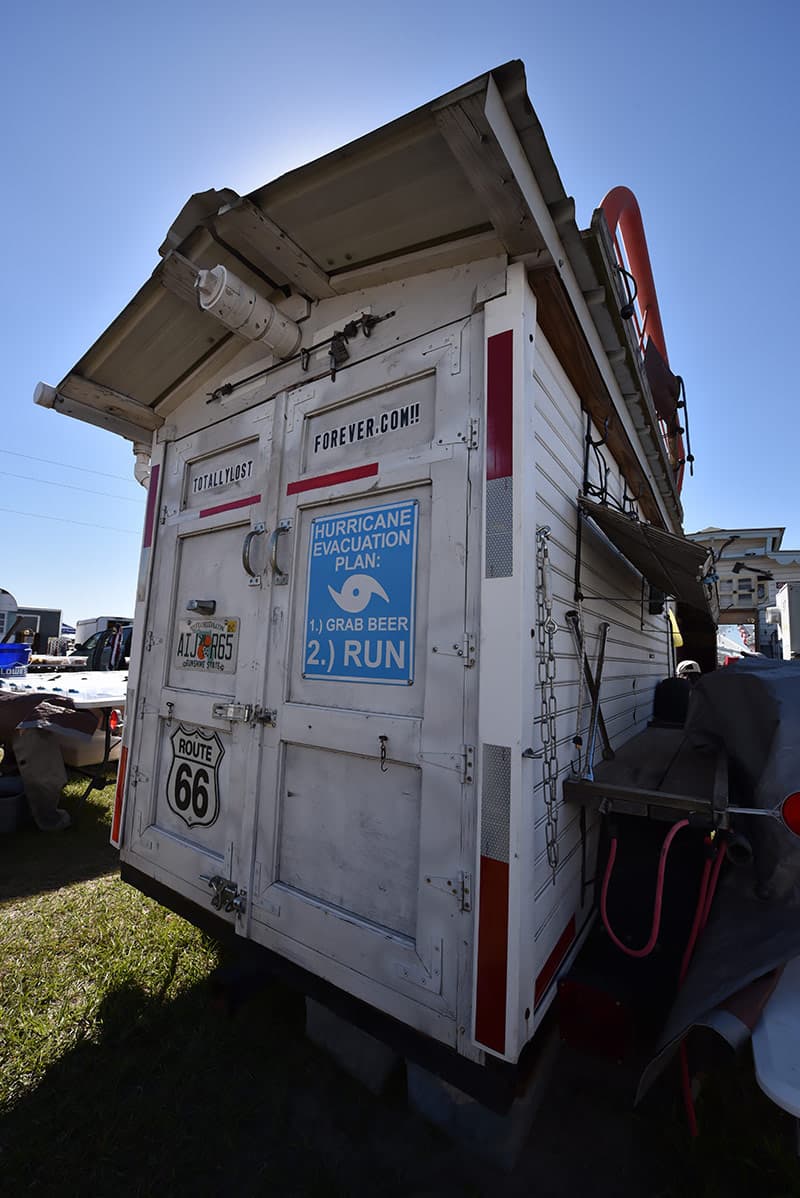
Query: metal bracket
(258, 530)
(429, 977)
(266, 715)
(459, 885)
(468, 758)
(227, 895)
(472, 436)
(467, 650)
(279, 577)
(468, 436)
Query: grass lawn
(118, 1076)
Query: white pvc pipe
(141, 467)
(240, 308)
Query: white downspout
(141, 468)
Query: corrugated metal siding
(637, 651)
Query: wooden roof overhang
(466, 177)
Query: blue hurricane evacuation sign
(360, 599)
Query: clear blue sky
(114, 115)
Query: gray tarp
(752, 708)
(27, 724)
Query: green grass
(119, 1076)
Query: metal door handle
(254, 532)
(278, 577)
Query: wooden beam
(109, 402)
(252, 234)
(179, 276)
(469, 135)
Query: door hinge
(148, 644)
(472, 437)
(468, 763)
(466, 650)
(459, 885)
(227, 896)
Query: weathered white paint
(336, 854)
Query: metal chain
(545, 632)
(577, 740)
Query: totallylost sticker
(207, 643)
(212, 480)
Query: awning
(670, 563)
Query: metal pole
(598, 674)
(571, 618)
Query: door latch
(265, 715)
(235, 712)
(227, 896)
(244, 713)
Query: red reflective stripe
(790, 810)
(331, 480)
(492, 982)
(117, 819)
(229, 507)
(150, 509)
(500, 405)
(550, 967)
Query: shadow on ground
(32, 861)
(180, 1099)
(174, 1097)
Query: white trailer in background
(85, 629)
(786, 614)
(374, 392)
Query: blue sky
(116, 115)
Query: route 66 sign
(193, 780)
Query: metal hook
(384, 740)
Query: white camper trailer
(399, 424)
(786, 614)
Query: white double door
(313, 755)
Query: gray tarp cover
(752, 708)
(41, 710)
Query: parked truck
(86, 629)
(404, 429)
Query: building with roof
(751, 565)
